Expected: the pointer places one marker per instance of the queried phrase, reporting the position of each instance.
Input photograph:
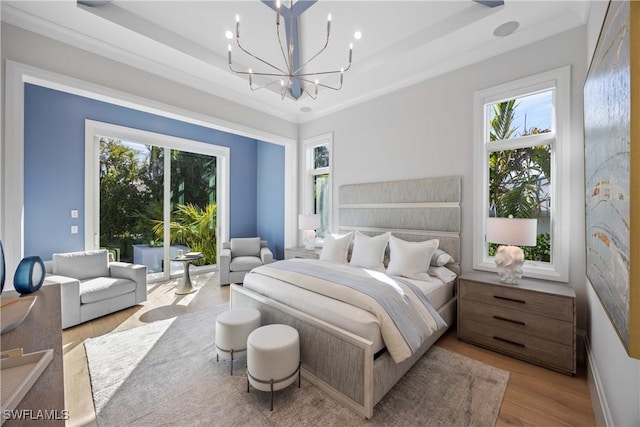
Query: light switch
(74, 213)
(74, 229)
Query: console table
(41, 330)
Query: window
(520, 149)
(317, 194)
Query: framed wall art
(612, 170)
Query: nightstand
(534, 320)
(301, 252)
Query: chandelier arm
(314, 97)
(321, 85)
(284, 55)
(314, 56)
(319, 73)
(259, 73)
(262, 87)
(258, 58)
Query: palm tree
(518, 178)
(193, 227)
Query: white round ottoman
(232, 330)
(273, 358)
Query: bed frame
(337, 361)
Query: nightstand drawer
(526, 347)
(521, 322)
(301, 252)
(538, 303)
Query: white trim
(93, 129)
(16, 74)
(13, 167)
(598, 396)
(307, 178)
(560, 81)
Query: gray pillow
(440, 258)
(82, 265)
(246, 246)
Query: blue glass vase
(29, 275)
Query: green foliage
(122, 195)
(192, 227)
(132, 198)
(518, 177)
(502, 121)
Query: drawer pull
(517, 322)
(509, 341)
(510, 299)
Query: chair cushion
(247, 246)
(244, 263)
(103, 288)
(82, 265)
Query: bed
(342, 352)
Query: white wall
(614, 377)
(426, 130)
(32, 49)
(140, 88)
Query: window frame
(94, 130)
(557, 80)
(311, 172)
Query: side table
(185, 286)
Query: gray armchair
(241, 255)
(91, 286)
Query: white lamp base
(309, 239)
(509, 260)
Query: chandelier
(292, 77)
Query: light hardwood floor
(535, 396)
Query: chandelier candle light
(291, 74)
(309, 223)
(513, 232)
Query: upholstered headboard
(414, 210)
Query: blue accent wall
(54, 168)
(270, 200)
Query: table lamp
(512, 232)
(309, 223)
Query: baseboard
(598, 397)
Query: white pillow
(411, 259)
(336, 247)
(368, 252)
(440, 258)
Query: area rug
(165, 373)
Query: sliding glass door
(155, 201)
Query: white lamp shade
(308, 222)
(512, 231)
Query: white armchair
(241, 255)
(91, 286)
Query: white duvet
(395, 341)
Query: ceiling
(403, 42)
